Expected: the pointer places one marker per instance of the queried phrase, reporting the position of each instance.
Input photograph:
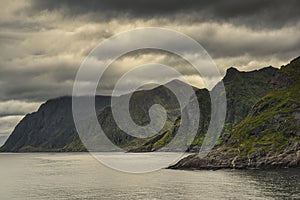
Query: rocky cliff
(268, 137)
(51, 128)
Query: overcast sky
(44, 42)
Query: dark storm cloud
(37, 84)
(253, 13)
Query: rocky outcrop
(268, 137)
(289, 157)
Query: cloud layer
(44, 42)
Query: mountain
(51, 128)
(243, 90)
(139, 105)
(268, 137)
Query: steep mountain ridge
(52, 128)
(49, 129)
(41, 131)
(269, 137)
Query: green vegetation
(273, 123)
(75, 145)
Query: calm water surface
(79, 176)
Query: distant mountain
(51, 128)
(268, 137)
(139, 105)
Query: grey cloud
(257, 13)
(225, 40)
(15, 107)
(36, 83)
(43, 43)
(8, 123)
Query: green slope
(268, 137)
(274, 122)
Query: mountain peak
(232, 69)
(231, 72)
(177, 82)
(292, 70)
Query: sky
(43, 42)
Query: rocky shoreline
(219, 159)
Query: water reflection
(278, 184)
(71, 176)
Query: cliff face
(268, 137)
(51, 128)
